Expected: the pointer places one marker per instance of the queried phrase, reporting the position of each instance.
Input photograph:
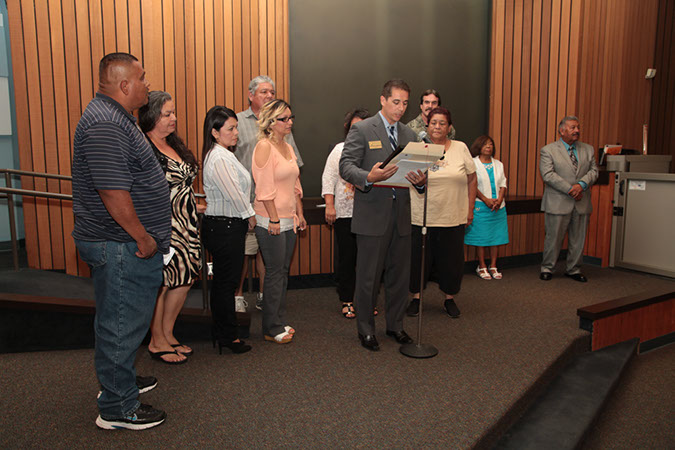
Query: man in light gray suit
(381, 217)
(568, 169)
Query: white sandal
(495, 273)
(281, 338)
(483, 273)
(289, 329)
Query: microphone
(425, 138)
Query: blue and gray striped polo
(111, 153)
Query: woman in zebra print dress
(158, 120)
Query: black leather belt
(224, 218)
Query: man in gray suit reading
(381, 218)
(568, 169)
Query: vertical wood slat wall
(203, 52)
(662, 115)
(551, 58)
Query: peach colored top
(278, 180)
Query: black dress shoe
(451, 308)
(235, 347)
(413, 309)
(400, 336)
(369, 341)
(546, 276)
(577, 277)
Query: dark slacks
(389, 253)
(224, 239)
(346, 243)
(444, 254)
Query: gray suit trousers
(557, 225)
(389, 253)
(277, 252)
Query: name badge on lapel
(374, 144)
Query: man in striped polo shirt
(122, 228)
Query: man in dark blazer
(381, 217)
(568, 169)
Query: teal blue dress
(489, 227)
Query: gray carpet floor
(641, 413)
(324, 390)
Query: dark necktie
(575, 163)
(392, 137)
(394, 144)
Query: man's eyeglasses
(286, 119)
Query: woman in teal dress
(489, 227)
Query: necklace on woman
(488, 164)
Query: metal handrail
(9, 193)
(53, 176)
(35, 193)
(35, 174)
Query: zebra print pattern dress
(184, 266)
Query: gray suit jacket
(374, 205)
(559, 175)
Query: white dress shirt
(227, 185)
(332, 183)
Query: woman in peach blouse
(278, 209)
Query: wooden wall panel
(613, 92)
(17, 42)
(203, 52)
(122, 25)
(326, 249)
(662, 113)
(548, 58)
(62, 156)
(649, 322)
(315, 249)
(37, 132)
(551, 58)
(44, 100)
(229, 57)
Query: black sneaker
(451, 308)
(413, 308)
(144, 384)
(143, 418)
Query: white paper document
(415, 156)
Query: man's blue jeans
(126, 288)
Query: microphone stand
(419, 350)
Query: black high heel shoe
(235, 347)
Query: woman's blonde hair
(268, 116)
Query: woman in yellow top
(451, 193)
